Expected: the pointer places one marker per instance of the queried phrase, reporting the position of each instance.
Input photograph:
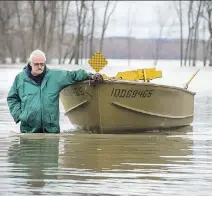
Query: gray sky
(144, 19)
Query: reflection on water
(174, 162)
(96, 164)
(33, 155)
(99, 152)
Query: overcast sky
(144, 19)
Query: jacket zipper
(42, 125)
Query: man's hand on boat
(96, 79)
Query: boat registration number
(76, 91)
(123, 93)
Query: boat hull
(127, 106)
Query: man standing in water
(34, 96)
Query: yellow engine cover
(145, 74)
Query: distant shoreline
(116, 63)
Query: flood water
(175, 162)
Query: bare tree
(204, 44)
(91, 49)
(187, 51)
(46, 25)
(79, 11)
(206, 15)
(80, 24)
(21, 30)
(106, 22)
(50, 32)
(86, 43)
(191, 38)
(180, 16)
(196, 27)
(7, 13)
(70, 48)
(209, 11)
(3, 30)
(162, 20)
(62, 22)
(129, 31)
(82, 31)
(34, 13)
(43, 25)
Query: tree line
(27, 25)
(198, 15)
(68, 27)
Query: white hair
(37, 53)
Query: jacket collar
(35, 79)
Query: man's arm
(14, 101)
(65, 77)
(80, 75)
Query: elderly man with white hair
(34, 96)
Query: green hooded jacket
(37, 106)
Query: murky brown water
(71, 163)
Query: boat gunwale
(143, 83)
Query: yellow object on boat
(98, 62)
(145, 74)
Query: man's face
(37, 64)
